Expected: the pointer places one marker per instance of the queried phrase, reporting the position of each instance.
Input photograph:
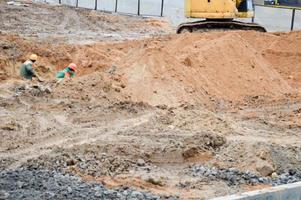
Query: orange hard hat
(72, 66)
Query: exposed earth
(64, 24)
(160, 115)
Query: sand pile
(195, 68)
(285, 55)
(191, 68)
(155, 76)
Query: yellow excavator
(218, 15)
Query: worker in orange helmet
(68, 72)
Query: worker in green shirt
(68, 72)
(27, 70)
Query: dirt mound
(155, 76)
(284, 54)
(173, 70)
(281, 50)
(196, 68)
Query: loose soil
(141, 112)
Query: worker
(27, 70)
(68, 72)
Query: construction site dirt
(190, 116)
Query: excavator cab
(245, 9)
(218, 15)
(245, 6)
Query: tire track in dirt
(87, 135)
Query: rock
(234, 177)
(155, 181)
(125, 193)
(112, 69)
(190, 152)
(98, 194)
(263, 155)
(298, 174)
(70, 162)
(284, 180)
(265, 170)
(261, 180)
(69, 189)
(137, 195)
(12, 126)
(20, 88)
(274, 176)
(232, 180)
(20, 184)
(140, 162)
(292, 172)
(54, 185)
(47, 90)
(233, 170)
(4, 194)
(254, 181)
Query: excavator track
(223, 25)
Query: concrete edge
(284, 192)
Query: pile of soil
(284, 55)
(189, 68)
(177, 69)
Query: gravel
(235, 177)
(42, 184)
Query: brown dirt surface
(63, 24)
(141, 112)
(171, 70)
(187, 69)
